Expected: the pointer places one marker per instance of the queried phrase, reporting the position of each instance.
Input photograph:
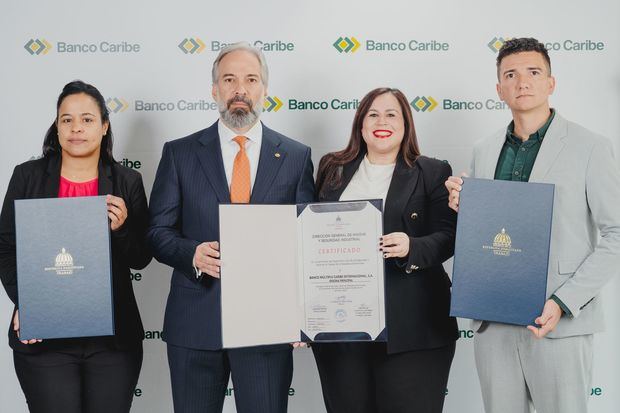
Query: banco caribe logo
(496, 43)
(116, 105)
(346, 44)
(423, 104)
(192, 45)
(272, 103)
(38, 47)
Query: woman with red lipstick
(92, 374)
(409, 373)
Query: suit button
(414, 215)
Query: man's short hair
(245, 46)
(522, 44)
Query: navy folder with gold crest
(502, 250)
(64, 282)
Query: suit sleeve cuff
(563, 306)
(411, 264)
(401, 262)
(197, 272)
(121, 232)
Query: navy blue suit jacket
(189, 185)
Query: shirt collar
(255, 134)
(539, 135)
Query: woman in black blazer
(409, 373)
(93, 374)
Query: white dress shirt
(230, 148)
(229, 151)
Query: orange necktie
(240, 185)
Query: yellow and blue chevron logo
(272, 103)
(346, 44)
(191, 45)
(423, 103)
(38, 46)
(116, 105)
(496, 43)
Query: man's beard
(239, 118)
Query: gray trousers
(519, 372)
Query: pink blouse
(68, 189)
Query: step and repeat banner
(152, 61)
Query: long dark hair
(51, 145)
(329, 175)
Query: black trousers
(363, 378)
(261, 378)
(84, 377)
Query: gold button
(414, 215)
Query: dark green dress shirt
(517, 157)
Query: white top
(370, 181)
(230, 148)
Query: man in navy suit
(239, 160)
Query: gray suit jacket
(585, 233)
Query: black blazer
(40, 179)
(417, 288)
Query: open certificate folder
(64, 280)
(310, 272)
(501, 255)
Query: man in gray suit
(549, 367)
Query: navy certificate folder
(502, 251)
(64, 282)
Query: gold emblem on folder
(63, 264)
(502, 244)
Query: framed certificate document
(501, 256)
(310, 272)
(64, 282)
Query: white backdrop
(132, 51)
